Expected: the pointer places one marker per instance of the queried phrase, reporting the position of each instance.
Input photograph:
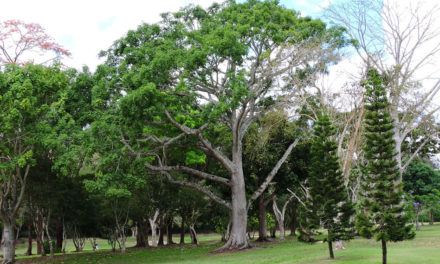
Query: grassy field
(425, 248)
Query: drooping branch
(297, 198)
(191, 171)
(414, 154)
(199, 188)
(272, 174)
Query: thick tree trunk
(384, 252)
(59, 233)
(152, 222)
(282, 230)
(141, 235)
(262, 225)
(182, 231)
(170, 231)
(161, 231)
(29, 249)
(238, 238)
(8, 244)
(431, 218)
(330, 249)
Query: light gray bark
(46, 222)
(280, 215)
(153, 228)
(8, 243)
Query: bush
(56, 249)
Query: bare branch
(199, 188)
(272, 174)
(191, 171)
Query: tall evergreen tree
(382, 205)
(329, 204)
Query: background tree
(31, 103)
(382, 193)
(18, 38)
(264, 143)
(400, 41)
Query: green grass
(425, 248)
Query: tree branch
(272, 174)
(191, 171)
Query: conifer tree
(382, 205)
(329, 205)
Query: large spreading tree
(383, 210)
(201, 72)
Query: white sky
(85, 27)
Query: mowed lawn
(425, 248)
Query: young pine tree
(329, 206)
(382, 205)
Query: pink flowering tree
(18, 38)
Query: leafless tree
(401, 40)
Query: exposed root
(233, 245)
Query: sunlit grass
(425, 248)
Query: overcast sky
(85, 27)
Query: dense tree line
(205, 121)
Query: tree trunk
(123, 239)
(49, 237)
(330, 248)
(161, 231)
(279, 215)
(141, 234)
(431, 218)
(29, 249)
(8, 242)
(273, 231)
(59, 234)
(262, 225)
(170, 231)
(40, 234)
(384, 252)
(293, 223)
(238, 238)
(153, 233)
(194, 239)
(182, 231)
(153, 228)
(417, 222)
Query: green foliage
(195, 157)
(382, 196)
(270, 221)
(420, 179)
(46, 246)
